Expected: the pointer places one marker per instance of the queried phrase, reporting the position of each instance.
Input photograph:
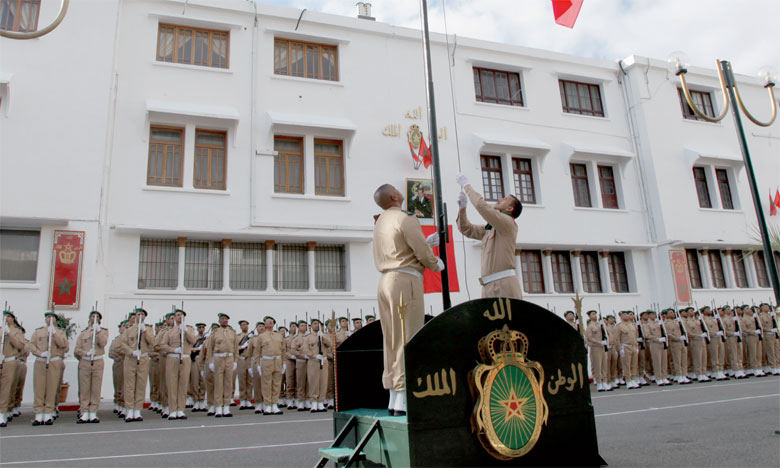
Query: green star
(64, 287)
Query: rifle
(683, 331)
(663, 333)
(181, 336)
(738, 326)
(774, 322)
(94, 336)
(319, 345)
(639, 330)
(48, 352)
(707, 338)
(603, 331)
(758, 326)
(140, 324)
(720, 325)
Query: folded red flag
(566, 11)
(431, 280)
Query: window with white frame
(19, 255)
(591, 275)
(309, 165)
(596, 184)
(715, 187)
(533, 271)
(618, 273)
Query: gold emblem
(67, 256)
(510, 408)
(415, 136)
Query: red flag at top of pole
(566, 11)
(425, 152)
(772, 205)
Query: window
(700, 177)
(591, 279)
(581, 98)
(291, 267)
(716, 267)
(725, 189)
(306, 60)
(328, 168)
(210, 160)
(492, 177)
(618, 276)
(703, 102)
(165, 156)
(740, 275)
(192, 46)
(761, 270)
(330, 272)
(288, 165)
(533, 276)
(693, 268)
(158, 264)
(608, 190)
(19, 255)
(247, 266)
(524, 180)
(203, 265)
(498, 87)
(579, 183)
(19, 15)
(561, 267)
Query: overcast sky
(742, 31)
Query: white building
(225, 154)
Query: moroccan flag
(67, 257)
(566, 11)
(431, 280)
(425, 152)
(414, 154)
(772, 205)
(777, 198)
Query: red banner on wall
(682, 284)
(67, 256)
(431, 280)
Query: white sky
(742, 31)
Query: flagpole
(441, 216)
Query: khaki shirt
(311, 344)
(767, 323)
(341, 336)
(223, 340)
(498, 243)
(40, 342)
(297, 346)
(172, 340)
(115, 350)
(652, 331)
(269, 343)
(695, 330)
(593, 334)
(673, 332)
(15, 343)
(399, 243)
(84, 342)
(612, 334)
(130, 343)
(627, 334)
(288, 354)
(729, 326)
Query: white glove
(182, 327)
(91, 352)
(720, 333)
(235, 365)
(640, 339)
(259, 371)
(51, 329)
(319, 356)
(604, 342)
(685, 338)
(45, 354)
(704, 335)
(461, 179)
(284, 368)
(211, 367)
(440, 264)
(251, 372)
(662, 340)
(203, 374)
(177, 350)
(757, 332)
(137, 354)
(433, 240)
(622, 352)
(244, 346)
(462, 200)
(774, 330)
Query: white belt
(408, 271)
(487, 279)
(183, 356)
(93, 358)
(242, 357)
(223, 354)
(300, 360)
(272, 357)
(43, 359)
(9, 359)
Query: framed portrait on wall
(419, 199)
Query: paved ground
(714, 424)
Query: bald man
(401, 254)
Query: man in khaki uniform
(357, 322)
(255, 361)
(300, 366)
(401, 254)
(771, 333)
(289, 375)
(137, 342)
(48, 367)
(677, 346)
(114, 352)
(753, 338)
(162, 379)
(223, 355)
(614, 356)
(316, 345)
(715, 347)
(197, 390)
(12, 343)
(598, 344)
(629, 354)
(154, 372)
(698, 335)
(655, 340)
(176, 347)
(269, 352)
(242, 370)
(17, 390)
(499, 238)
(90, 351)
(206, 373)
(733, 343)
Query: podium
(489, 382)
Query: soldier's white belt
(408, 271)
(9, 359)
(242, 357)
(43, 359)
(183, 356)
(93, 358)
(300, 360)
(223, 354)
(487, 279)
(272, 357)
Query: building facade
(224, 154)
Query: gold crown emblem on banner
(67, 256)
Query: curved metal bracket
(695, 109)
(770, 87)
(40, 32)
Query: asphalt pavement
(717, 424)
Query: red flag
(773, 204)
(431, 280)
(66, 262)
(425, 152)
(414, 154)
(566, 11)
(777, 198)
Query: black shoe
(94, 421)
(400, 413)
(229, 415)
(301, 409)
(172, 418)
(49, 422)
(2, 424)
(182, 417)
(36, 422)
(257, 411)
(82, 421)
(233, 404)
(391, 412)
(217, 415)
(210, 414)
(139, 419)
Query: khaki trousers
(7, 379)
(178, 378)
(714, 354)
(770, 349)
(244, 381)
(197, 388)
(90, 384)
(391, 286)
(300, 379)
(47, 385)
(209, 387)
(223, 380)
(753, 353)
(613, 363)
(289, 380)
(658, 356)
(272, 380)
(117, 371)
(135, 376)
(162, 382)
(699, 356)
(21, 378)
(734, 351)
(154, 379)
(329, 393)
(317, 379)
(257, 385)
(679, 354)
(598, 363)
(629, 358)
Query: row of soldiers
(184, 366)
(682, 346)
